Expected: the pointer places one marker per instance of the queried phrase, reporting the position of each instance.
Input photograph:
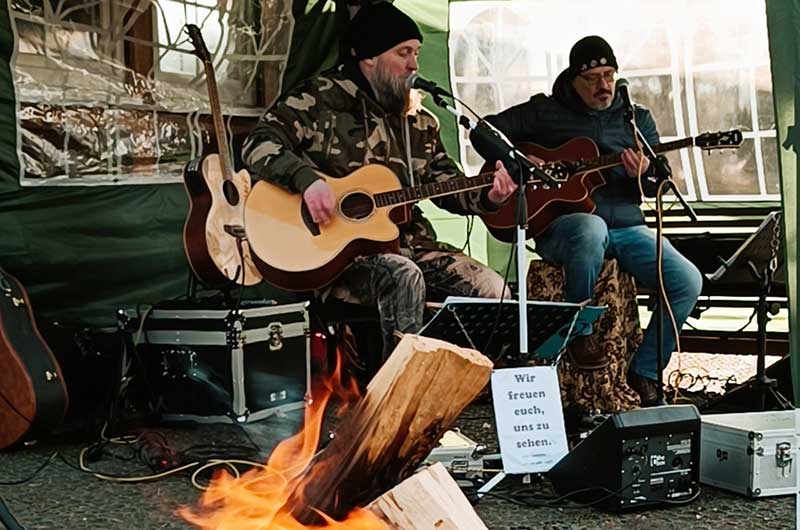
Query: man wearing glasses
(584, 103)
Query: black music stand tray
(751, 263)
(470, 323)
(756, 249)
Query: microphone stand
(522, 216)
(666, 174)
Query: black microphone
(622, 89)
(491, 144)
(417, 81)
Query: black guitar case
(33, 395)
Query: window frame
(681, 71)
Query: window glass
(112, 92)
(684, 60)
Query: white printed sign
(530, 421)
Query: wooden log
(428, 500)
(412, 400)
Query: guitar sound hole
(357, 206)
(230, 192)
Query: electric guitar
(213, 232)
(576, 166)
(293, 252)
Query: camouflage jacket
(333, 124)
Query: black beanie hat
(380, 27)
(590, 52)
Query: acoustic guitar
(295, 253)
(576, 166)
(213, 235)
(33, 396)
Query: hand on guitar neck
(631, 160)
(503, 185)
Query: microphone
(491, 144)
(417, 81)
(622, 89)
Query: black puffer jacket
(553, 120)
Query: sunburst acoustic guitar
(296, 253)
(213, 233)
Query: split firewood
(428, 500)
(412, 400)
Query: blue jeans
(579, 242)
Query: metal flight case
(752, 453)
(222, 365)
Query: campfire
(380, 440)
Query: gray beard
(390, 92)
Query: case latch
(275, 336)
(235, 335)
(783, 457)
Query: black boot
(585, 355)
(646, 388)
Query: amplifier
(634, 460)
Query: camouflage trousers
(399, 286)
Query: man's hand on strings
(503, 185)
(320, 201)
(630, 161)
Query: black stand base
(757, 394)
(193, 285)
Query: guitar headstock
(719, 140)
(199, 45)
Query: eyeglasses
(594, 79)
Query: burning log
(409, 404)
(431, 499)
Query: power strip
(463, 458)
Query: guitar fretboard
(614, 159)
(219, 124)
(432, 189)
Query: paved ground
(63, 498)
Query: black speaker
(634, 460)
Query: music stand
(470, 323)
(759, 259)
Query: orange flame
(257, 500)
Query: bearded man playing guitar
(584, 103)
(358, 114)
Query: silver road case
(752, 453)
